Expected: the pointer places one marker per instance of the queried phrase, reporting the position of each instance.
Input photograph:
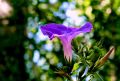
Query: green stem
(69, 77)
(99, 76)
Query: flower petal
(52, 28)
(67, 48)
(48, 33)
(87, 27)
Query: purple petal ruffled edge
(87, 27)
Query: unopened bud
(104, 59)
(100, 62)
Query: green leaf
(75, 66)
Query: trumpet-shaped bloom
(65, 34)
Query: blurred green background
(27, 55)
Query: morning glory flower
(65, 34)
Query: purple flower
(65, 34)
